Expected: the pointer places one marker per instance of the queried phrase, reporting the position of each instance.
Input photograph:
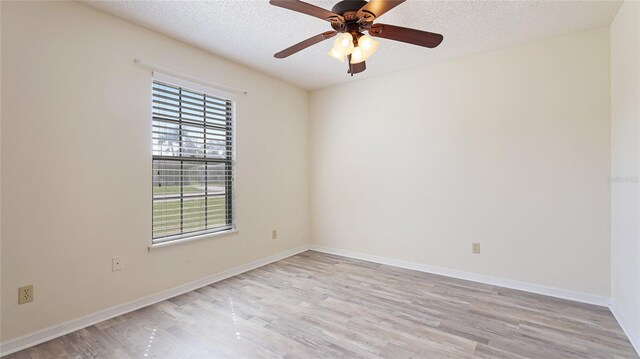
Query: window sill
(176, 242)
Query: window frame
(230, 165)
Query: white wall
(509, 148)
(625, 165)
(76, 164)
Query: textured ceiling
(250, 32)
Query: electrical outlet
(274, 234)
(25, 294)
(475, 248)
(116, 264)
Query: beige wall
(625, 164)
(509, 148)
(76, 164)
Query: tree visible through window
(192, 163)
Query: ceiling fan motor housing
(348, 5)
(352, 23)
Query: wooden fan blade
(377, 8)
(305, 8)
(304, 44)
(403, 34)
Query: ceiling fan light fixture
(357, 56)
(344, 44)
(368, 45)
(336, 54)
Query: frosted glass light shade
(368, 45)
(336, 54)
(357, 55)
(343, 44)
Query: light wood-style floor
(316, 305)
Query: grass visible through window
(168, 221)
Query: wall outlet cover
(475, 248)
(25, 294)
(116, 263)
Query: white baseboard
(41, 336)
(474, 277)
(634, 338)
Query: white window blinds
(192, 162)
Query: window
(192, 161)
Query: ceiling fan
(350, 18)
